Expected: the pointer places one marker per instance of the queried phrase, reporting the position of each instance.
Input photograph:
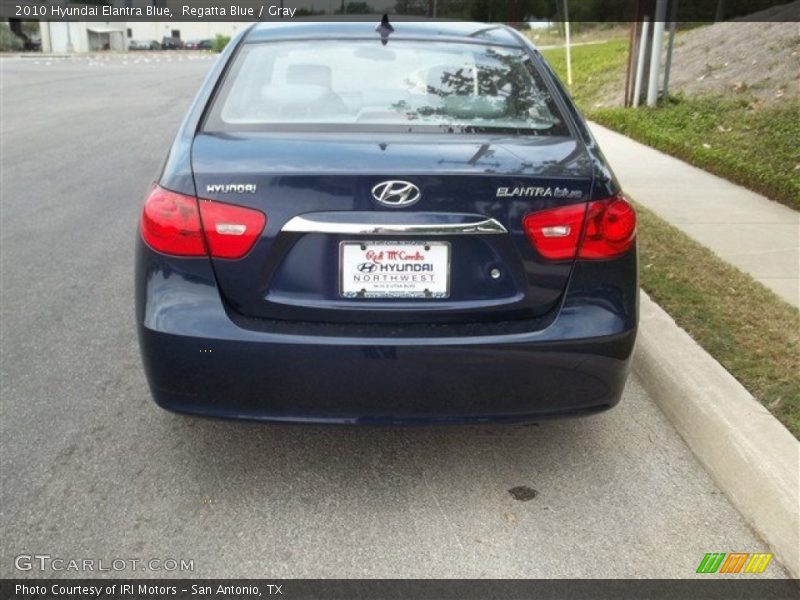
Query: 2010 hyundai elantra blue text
(401, 224)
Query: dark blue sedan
(408, 223)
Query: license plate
(394, 269)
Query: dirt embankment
(762, 58)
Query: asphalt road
(91, 468)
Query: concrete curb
(749, 454)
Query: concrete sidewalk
(757, 235)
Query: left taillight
(171, 223)
(179, 225)
(231, 231)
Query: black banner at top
(509, 11)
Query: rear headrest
(309, 75)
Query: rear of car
(357, 229)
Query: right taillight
(610, 228)
(173, 224)
(597, 230)
(556, 232)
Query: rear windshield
(361, 85)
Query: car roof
(463, 31)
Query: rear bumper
(366, 383)
(198, 360)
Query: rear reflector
(560, 233)
(173, 224)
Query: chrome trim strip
(307, 224)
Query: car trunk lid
(325, 220)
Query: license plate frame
(431, 287)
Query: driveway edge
(750, 455)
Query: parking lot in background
(91, 468)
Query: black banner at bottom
(376, 589)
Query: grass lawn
(759, 149)
(595, 68)
(755, 146)
(752, 332)
(581, 32)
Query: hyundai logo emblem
(367, 267)
(396, 193)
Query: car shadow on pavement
(314, 462)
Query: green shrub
(220, 42)
(8, 41)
